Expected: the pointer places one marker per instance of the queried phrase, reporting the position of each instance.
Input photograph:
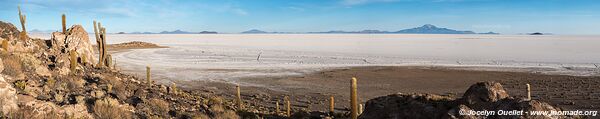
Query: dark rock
(482, 96)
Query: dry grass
(160, 106)
(12, 65)
(28, 112)
(108, 108)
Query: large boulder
(479, 95)
(76, 39)
(482, 96)
(407, 106)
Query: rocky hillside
(38, 80)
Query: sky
(233, 16)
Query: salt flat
(230, 57)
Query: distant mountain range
(425, 29)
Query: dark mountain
(176, 32)
(431, 29)
(208, 32)
(254, 31)
(537, 33)
(492, 33)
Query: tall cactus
(239, 97)
(148, 80)
(277, 107)
(528, 91)
(104, 60)
(23, 19)
(64, 24)
(331, 104)
(73, 59)
(354, 99)
(287, 106)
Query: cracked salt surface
(230, 57)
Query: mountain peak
(431, 29)
(429, 26)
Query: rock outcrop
(8, 30)
(76, 39)
(482, 96)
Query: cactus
(5, 45)
(109, 88)
(64, 24)
(173, 88)
(148, 80)
(73, 59)
(528, 92)
(108, 61)
(84, 59)
(287, 106)
(331, 104)
(239, 97)
(354, 99)
(21, 85)
(360, 109)
(23, 19)
(100, 33)
(277, 107)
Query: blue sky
(232, 16)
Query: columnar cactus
(239, 97)
(173, 88)
(148, 80)
(331, 104)
(64, 24)
(360, 109)
(23, 19)
(277, 107)
(73, 59)
(528, 91)
(354, 99)
(288, 106)
(104, 59)
(84, 59)
(5, 45)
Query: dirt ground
(312, 91)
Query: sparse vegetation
(108, 108)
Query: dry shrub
(12, 65)
(117, 87)
(228, 114)
(216, 106)
(160, 106)
(108, 108)
(28, 112)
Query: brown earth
(313, 90)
